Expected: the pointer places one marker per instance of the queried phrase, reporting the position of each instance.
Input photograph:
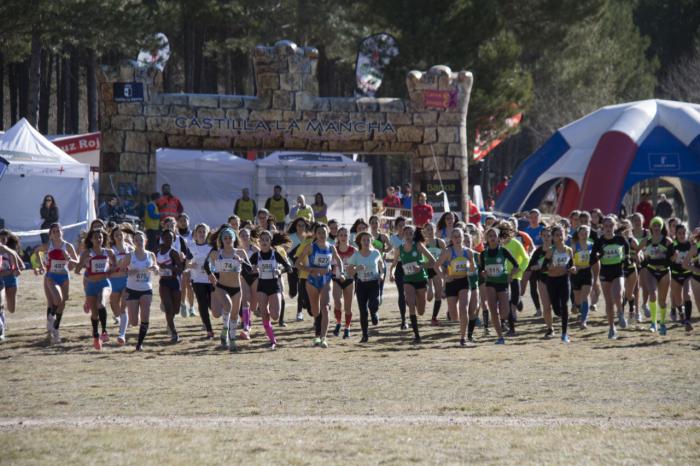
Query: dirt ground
(634, 400)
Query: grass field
(634, 400)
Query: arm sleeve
(255, 208)
(267, 203)
(207, 265)
(253, 259)
(286, 209)
(283, 260)
(509, 257)
(235, 206)
(482, 261)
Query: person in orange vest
(169, 205)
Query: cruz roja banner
(374, 55)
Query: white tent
(346, 185)
(37, 168)
(207, 183)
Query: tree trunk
(23, 85)
(75, 90)
(14, 92)
(34, 85)
(60, 98)
(67, 107)
(188, 55)
(91, 90)
(2, 91)
(198, 60)
(45, 92)
(228, 82)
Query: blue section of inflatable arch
(527, 173)
(662, 154)
(3, 166)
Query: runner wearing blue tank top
(317, 259)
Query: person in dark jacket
(49, 215)
(664, 209)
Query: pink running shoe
(96, 343)
(104, 337)
(244, 335)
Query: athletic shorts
(10, 281)
(499, 287)
(420, 285)
(94, 288)
(249, 278)
(319, 282)
(431, 273)
(58, 278)
(118, 284)
(343, 283)
(269, 286)
(135, 295)
(170, 282)
(680, 278)
(609, 273)
(453, 287)
(230, 290)
(657, 274)
(582, 277)
(627, 272)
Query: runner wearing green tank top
(435, 281)
(381, 243)
(492, 266)
(413, 255)
(692, 262)
(657, 257)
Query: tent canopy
(607, 152)
(37, 168)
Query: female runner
(170, 264)
(344, 287)
(639, 233)
(582, 278)
(680, 276)
(445, 225)
(414, 259)
(396, 242)
(140, 265)
(316, 259)
(269, 264)
(559, 261)
(492, 266)
(118, 279)
(203, 290)
(10, 269)
(381, 243)
(367, 266)
(225, 276)
(460, 263)
(611, 251)
(59, 257)
(435, 280)
(630, 273)
(657, 249)
(98, 262)
(249, 296)
(539, 274)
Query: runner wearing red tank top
(343, 288)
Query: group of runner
(481, 271)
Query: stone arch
(285, 113)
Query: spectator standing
(422, 211)
(535, 227)
(501, 186)
(245, 207)
(320, 209)
(302, 210)
(169, 205)
(110, 210)
(406, 198)
(151, 223)
(49, 215)
(391, 200)
(474, 214)
(664, 208)
(646, 209)
(277, 206)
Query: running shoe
(317, 341)
(647, 312)
(404, 326)
(462, 342)
(224, 337)
(688, 326)
(244, 335)
(2, 334)
(336, 331)
(55, 337)
(652, 327)
(192, 312)
(612, 334)
(324, 343)
(511, 332)
(584, 325)
(210, 335)
(662, 329)
(346, 334)
(183, 310)
(487, 332)
(364, 339)
(282, 323)
(593, 307)
(121, 341)
(96, 343)
(501, 341)
(104, 337)
(622, 322)
(375, 318)
(639, 317)
(50, 319)
(175, 338)
(470, 338)
(519, 306)
(538, 313)
(674, 314)
(273, 345)
(139, 347)
(300, 316)
(434, 322)
(565, 338)
(549, 333)
(233, 348)
(417, 340)
(115, 319)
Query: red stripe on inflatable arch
(606, 173)
(569, 200)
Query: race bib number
(612, 253)
(655, 253)
(229, 265)
(57, 266)
(583, 257)
(99, 266)
(681, 256)
(410, 268)
(267, 270)
(166, 272)
(143, 276)
(561, 260)
(461, 267)
(322, 261)
(494, 270)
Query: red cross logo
(61, 170)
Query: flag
(374, 55)
(488, 139)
